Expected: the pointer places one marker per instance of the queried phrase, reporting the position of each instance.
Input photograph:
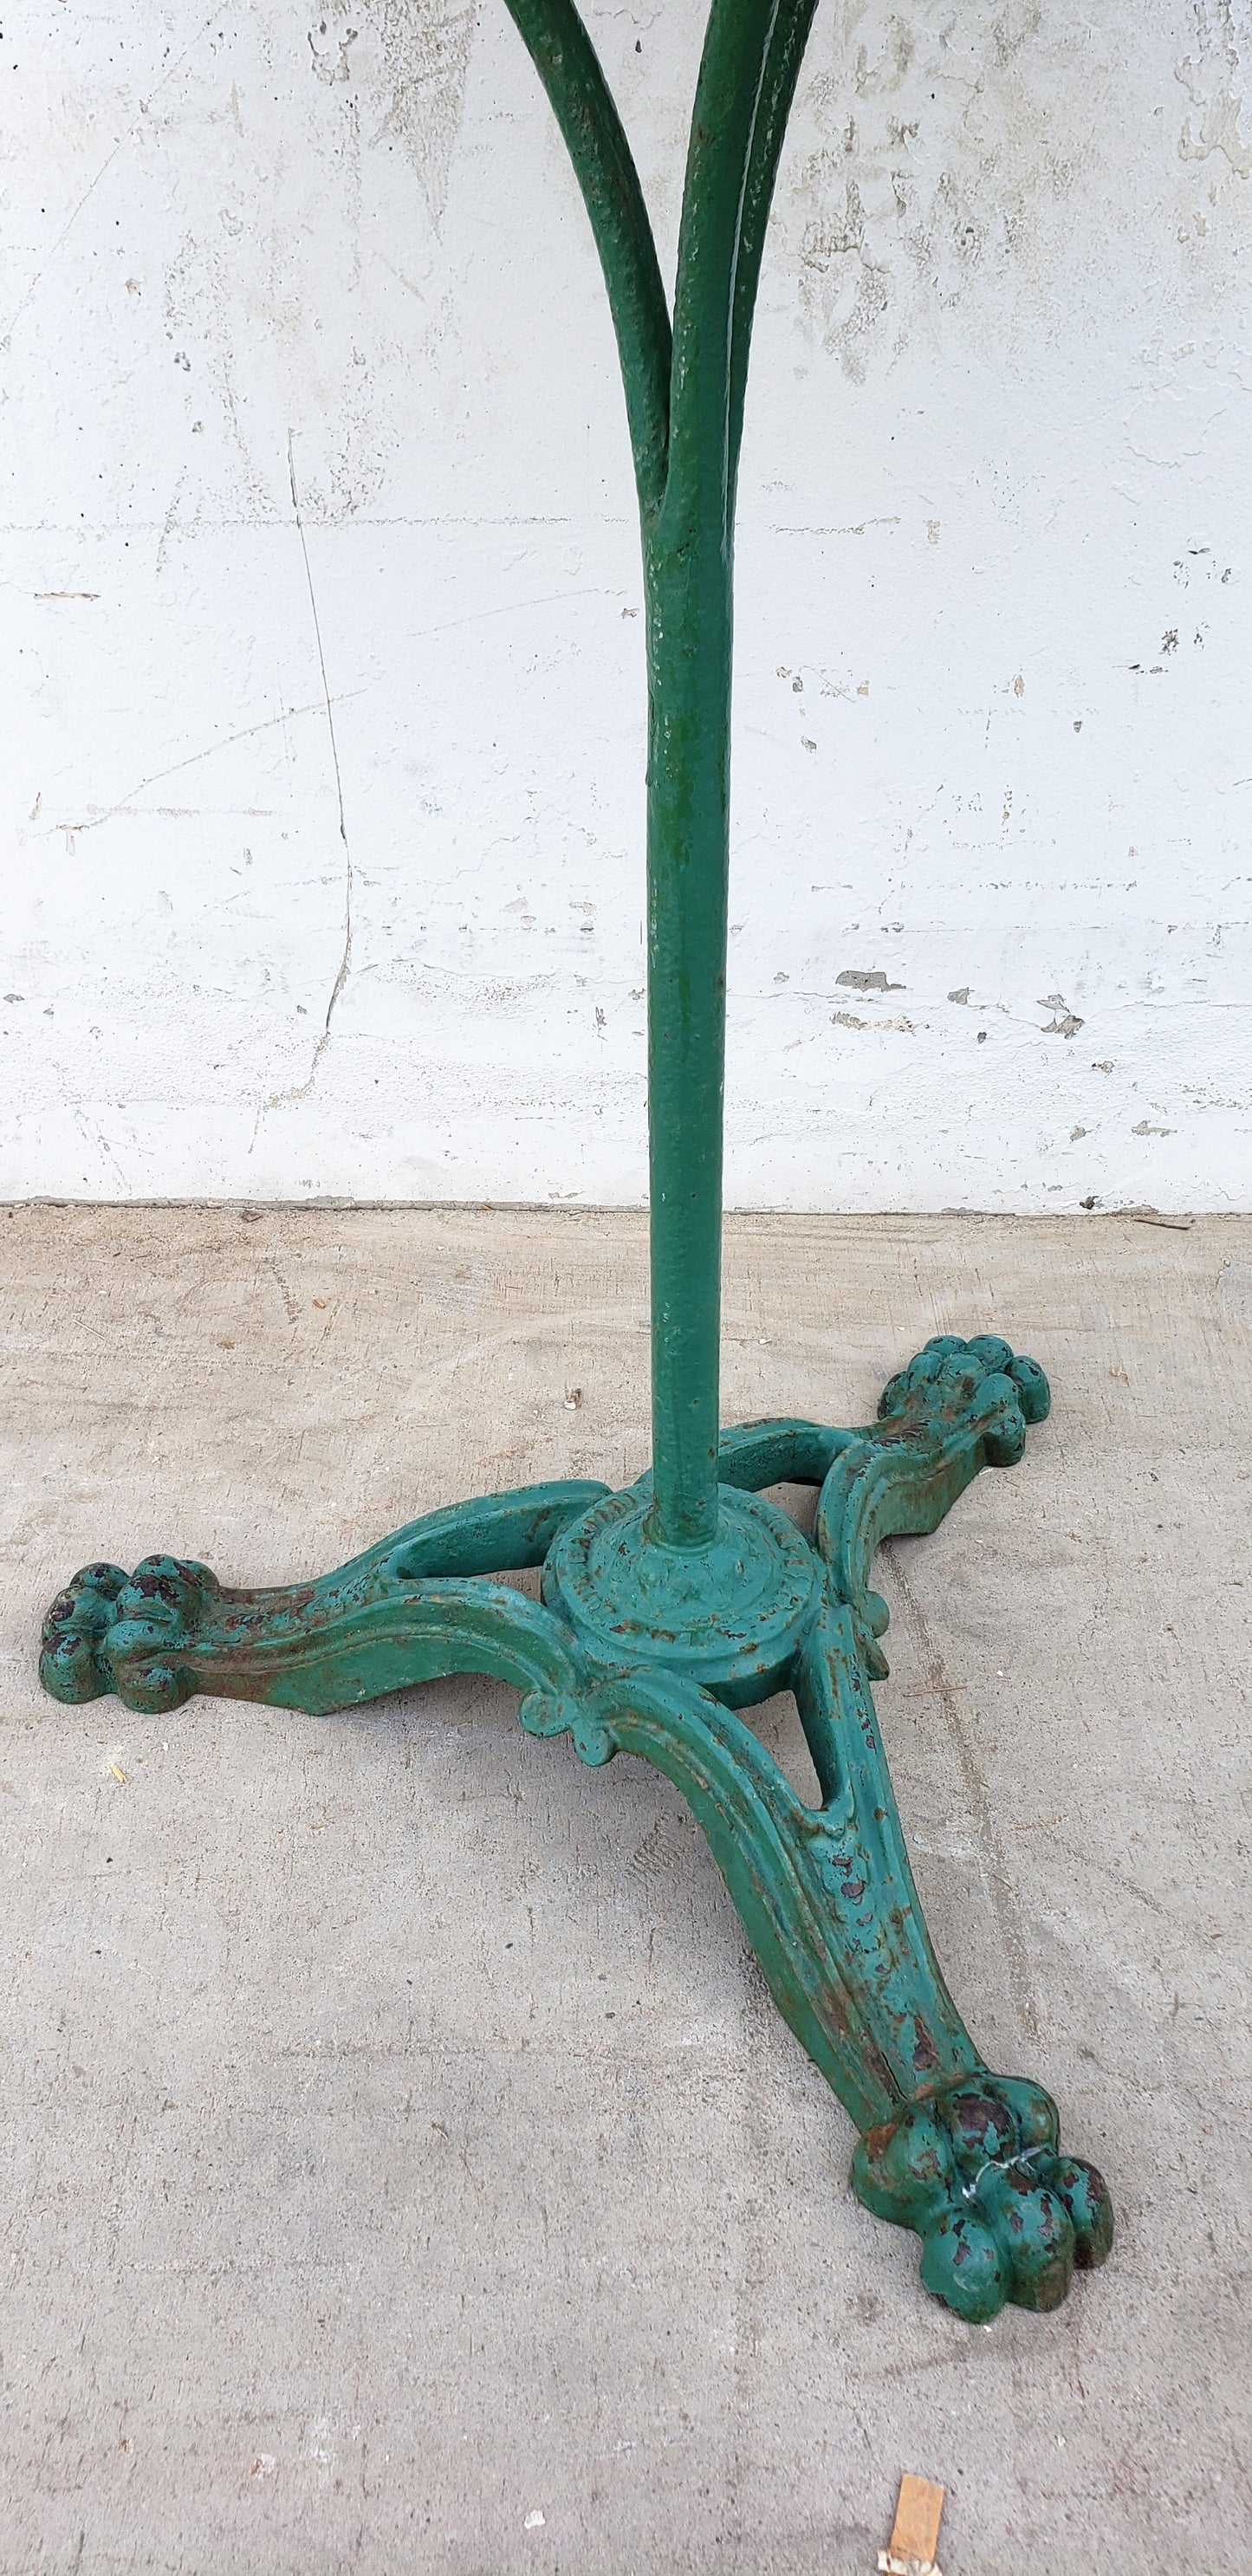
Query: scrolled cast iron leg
(415, 1608)
(973, 2163)
(770, 1848)
(969, 2159)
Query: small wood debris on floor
(915, 2532)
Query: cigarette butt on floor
(915, 2533)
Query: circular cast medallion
(728, 1617)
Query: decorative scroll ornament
(968, 2158)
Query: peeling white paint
(323, 807)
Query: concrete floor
(401, 2144)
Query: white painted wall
(322, 795)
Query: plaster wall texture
(323, 798)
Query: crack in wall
(345, 962)
(301, 1090)
(141, 786)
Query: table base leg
(654, 1651)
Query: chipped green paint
(825, 1893)
(668, 1608)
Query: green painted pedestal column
(672, 1606)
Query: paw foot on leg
(110, 1631)
(1001, 2214)
(983, 1381)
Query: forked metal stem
(685, 406)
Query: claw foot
(109, 1631)
(983, 1382)
(1001, 2213)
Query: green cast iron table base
(640, 1647)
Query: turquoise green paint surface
(684, 401)
(968, 2158)
(669, 1608)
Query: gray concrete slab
(401, 2145)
